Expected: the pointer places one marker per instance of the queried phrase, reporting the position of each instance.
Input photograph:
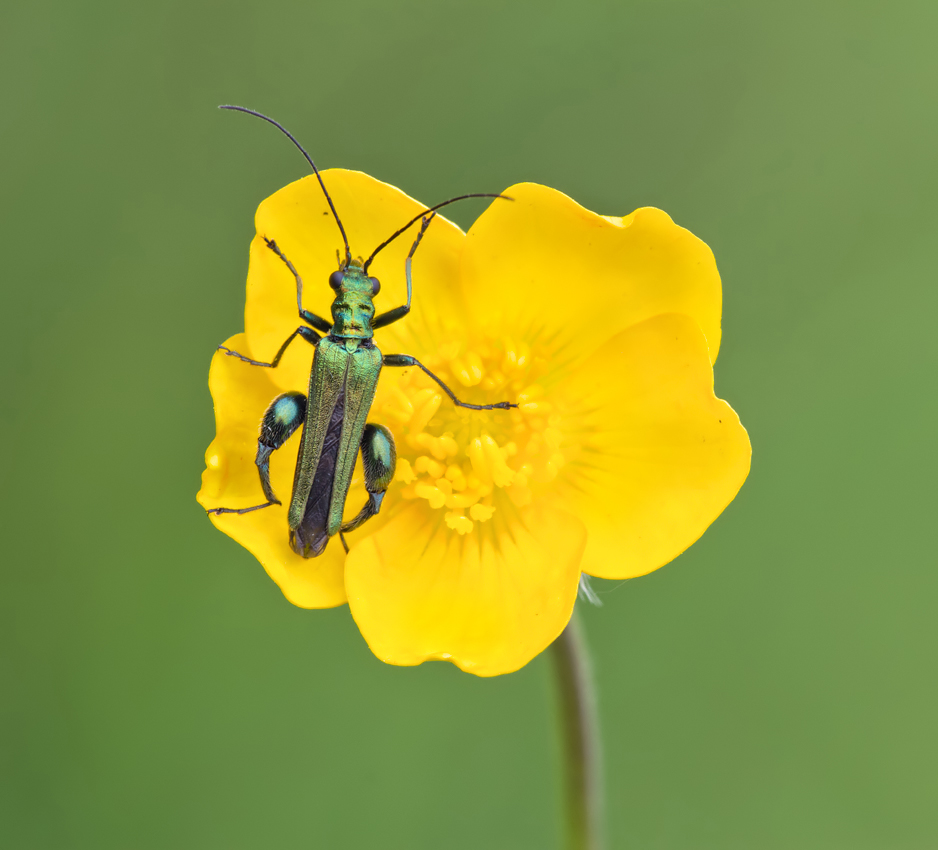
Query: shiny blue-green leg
(306, 333)
(407, 360)
(285, 414)
(317, 322)
(379, 459)
(399, 312)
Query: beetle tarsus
(242, 358)
(218, 511)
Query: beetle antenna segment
(419, 216)
(289, 135)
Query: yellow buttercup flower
(604, 331)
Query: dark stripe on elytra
(316, 516)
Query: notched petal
(654, 455)
(545, 262)
(639, 456)
(241, 394)
(488, 601)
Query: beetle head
(352, 309)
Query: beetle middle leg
(307, 333)
(407, 360)
(310, 318)
(284, 415)
(379, 458)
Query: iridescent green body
(342, 384)
(345, 371)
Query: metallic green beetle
(342, 386)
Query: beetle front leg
(407, 360)
(284, 415)
(307, 333)
(399, 312)
(317, 322)
(379, 459)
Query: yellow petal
(544, 262)
(658, 456)
(242, 394)
(298, 219)
(488, 601)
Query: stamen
(470, 464)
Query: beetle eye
(375, 285)
(335, 279)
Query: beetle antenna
(419, 216)
(289, 135)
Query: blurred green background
(773, 688)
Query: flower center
(471, 464)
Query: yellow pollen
(488, 461)
(404, 472)
(468, 369)
(426, 404)
(458, 522)
(471, 464)
(428, 465)
(435, 496)
(481, 512)
(454, 475)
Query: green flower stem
(580, 724)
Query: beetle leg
(307, 333)
(407, 360)
(311, 318)
(379, 457)
(399, 312)
(284, 415)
